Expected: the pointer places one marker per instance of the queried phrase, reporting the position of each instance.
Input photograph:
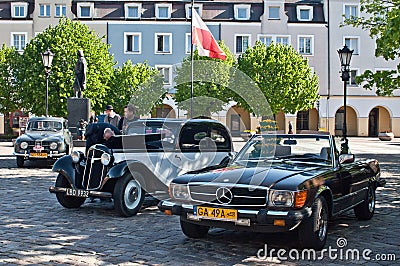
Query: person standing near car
(129, 117)
(95, 133)
(111, 118)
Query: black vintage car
(277, 183)
(144, 161)
(45, 138)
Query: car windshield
(169, 131)
(306, 149)
(44, 125)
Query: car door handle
(178, 157)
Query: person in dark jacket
(95, 131)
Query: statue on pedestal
(80, 75)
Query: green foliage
(283, 76)
(127, 80)
(9, 101)
(383, 24)
(64, 40)
(211, 82)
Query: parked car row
(275, 183)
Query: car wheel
(67, 201)
(365, 210)
(20, 161)
(313, 231)
(128, 194)
(193, 230)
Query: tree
(210, 86)
(64, 40)
(283, 76)
(127, 80)
(9, 100)
(383, 24)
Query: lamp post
(345, 57)
(47, 58)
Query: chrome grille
(95, 171)
(246, 196)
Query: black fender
(66, 167)
(118, 170)
(326, 192)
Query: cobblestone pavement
(36, 230)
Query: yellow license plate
(39, 154)
(215, 213)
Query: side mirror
(346, 158)
(228, 158)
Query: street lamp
(47, 58)
(345, 57)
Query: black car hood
(40, 135)
(279, 176)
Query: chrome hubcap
(132, 193)
(371, 200)
(322, 223)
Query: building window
(350, 11)
(268, 39)
(44, 10)
(18, 40)
(85, 10)
(61, 10)
(197, 7)
(242, 43)
(163, 11)
(133, 11)
(19, 10)
(242, 12)
(352, 81)
(273, 12)
(132, 42)
(163, 43)
(306, 45)
(166, 72)
(302, 121)
(304, 13)
(265, 39)
(282, 40)
(353, 44)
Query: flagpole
(192, 60)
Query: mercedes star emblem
(224, 195)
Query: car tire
(313, 231)
(365, 210)
(128, 194)
(67, 201)
(193, 230)
(20, 161)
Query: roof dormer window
(197, 7)
(19, 9)
(85, 10)
(133, 10)
(242, 12)
(304, 13)
(163, 11)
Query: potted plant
(386, 135)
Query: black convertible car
(277, 183)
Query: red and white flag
(203, 39)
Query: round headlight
(53, 145)
(281, 198)
(105, 158)
(76, 156)
(23, 145)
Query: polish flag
(203, 39)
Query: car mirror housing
(346, 158)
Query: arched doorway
(163, 111)
(307, 120)
(379, 120)
(351, 121)
(237, 120)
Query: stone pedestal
(78, 108)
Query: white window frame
(274, 37)
(46, 7)
(85, 4)
(189, 6)
(299, 8)
(19, 33)
(357, 6)
(353, 85)
(236, 9)
(161, 67)
(356, 49)
(311, 44)
(126, 43)
(163, 5)
(188, 42)
(128, 5)
(156, 42)
(269, 13)
(235, 43)
(61, 7)
(19, 4)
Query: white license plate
(77, 193)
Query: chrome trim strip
(248, 212)
(229, 185)
(167, 203)
(280, 213)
